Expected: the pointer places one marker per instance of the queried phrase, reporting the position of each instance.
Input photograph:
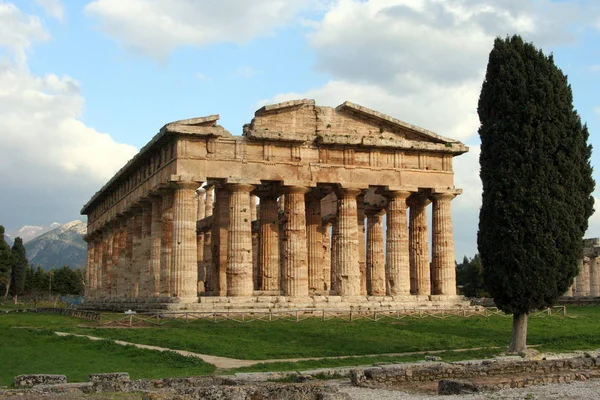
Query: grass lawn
(27, 344)
(260, 340)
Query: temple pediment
(348, 124)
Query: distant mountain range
(29, 232)
(8, 240)
(63, 245)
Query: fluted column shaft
(444, 270)
(128, 262)
(397, 267)
(137, 253)
(375, 254)
(579, 280)
(295, 278)
(98, 265)
(115, 260)
(420, 272)
(200, 243)
(166, 243)
(107, 263)
(594, 278)
(325, 261)
(268, 245)
(90, 273)
(348, 265)
(360, 218)
(184, 278)
(315, 243)
(219, 242)
(239, 242)
(156, 244)
(122, 263)
(207, 256)
(145, 277)
(334, 270)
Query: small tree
(469, 275)
(5, 263)
(19, 269)
(537, 182)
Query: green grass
(260, 340)
(27, 342)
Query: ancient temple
(311, 207)
(587, 283)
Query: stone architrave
(145, 277)
(201, 287)
(397, 256)
(239, 241)
(166, 243)
(348, 267)
(420, 272)
(594, 278)
(184, 279)
(268, 245)
(375, 253)
(156, 245)
(443, 263)
(295, 271)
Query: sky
(85, 84)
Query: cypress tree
(19, 268)
(537, 182)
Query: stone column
(97, 264)
(123, 263)
(348, 267)
(325, 262)
(594, 278)
(156, 230)
(137, 253)
(397, 255)
(254, 217)
(268, 245)
(89, 272)
(219, 242)
(295, 271)
(116, 269)
(200, 243)
(208, 261)
(586, 277)
(253, 211)
(314, 236)
(166, 243)
(107, 262)
(184, 279)
(128, 291)
(360, 216)
(375, 253)
(420, 274)
(239, 241)
(145, 277)
(444, 269)
(334, 267)
(579, 280)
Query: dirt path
(228, 363)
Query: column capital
(190, 185)
(397, 194)
(348, 191)
(420, 198)
(239, 187)
(371, 212)
(444, 195)
(295, 189)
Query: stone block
(109, 377)
(39, 379)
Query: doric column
(268, 245)
(220, 227)
(200, 243)
(579, 280)
(145, 277)
(586, 277)
(314, 235)
(420, 275)
(128, 253)
(156, 230)
(123, 263)
(443, 263)
(137, 253)
(348, 267)
(295, 271)
(253, 211)
(397, 254)
(254, 217)
(325, 262)
(89, 271)
(107, 261)
(594, 278)
(166, 243)
(334, 268)
(239, 241)
(184, 278)
(362, 266)
(116, 269)
(97, 270)
(375, 253)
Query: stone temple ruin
(289, 215)
(587, 282)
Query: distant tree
(5, 264)
(469, 275)
(537, 182)
(66, 281)
(19, 268)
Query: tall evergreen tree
(5, 263)
(537, 182)
(19, 268)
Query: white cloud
(50, 161)
(156, 27)
(54, 8)
(246, 72)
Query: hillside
(61, 246)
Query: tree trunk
(519, 334)
(7, 290)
